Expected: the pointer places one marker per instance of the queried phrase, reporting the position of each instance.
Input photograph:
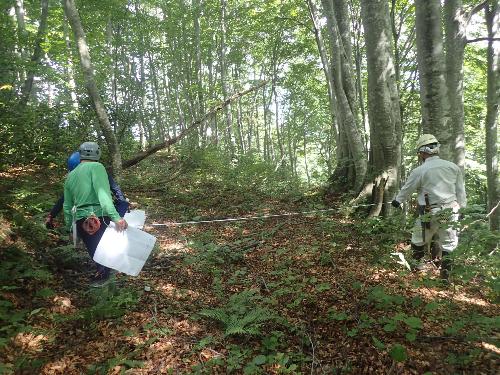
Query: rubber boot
(418, 254)
(446, 264)
(418, 251)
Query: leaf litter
(331, 308)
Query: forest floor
(304, 294)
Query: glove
(395, 204)
(49, 222)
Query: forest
(270, 143)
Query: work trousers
(92, 241)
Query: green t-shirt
(87, 188)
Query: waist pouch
(91, 225)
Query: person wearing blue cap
(120, 202)
(88, 205)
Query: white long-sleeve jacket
(439, 178)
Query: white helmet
(428, 143)
(90, 151)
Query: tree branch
(474, 10)
(482, 40)
(153, 149)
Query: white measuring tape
(244, 218)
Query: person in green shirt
(88, 203)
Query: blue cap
(73, 161)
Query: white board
(135, 218)
(125, 251)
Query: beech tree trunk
(22, 35)
(313, 12)
(432, 76)
(349, 129)
(69, 67)
(197, 7)
(493, 101)
(91, 85)
(455, 39)
(223, 78)
(383, 102)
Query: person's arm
(67, 206)
(57, 207)
(409, 187)
(49, 220)
(115, 189)
(121, 203)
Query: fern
(240, 315)
(216, 314)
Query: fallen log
(160, 146)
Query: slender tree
(224, 76)
(37, 54)
(323, 53)
(91, 85)
(493, 101)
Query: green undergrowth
(208, 184)
(273, 294)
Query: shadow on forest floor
(312, 294)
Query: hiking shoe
(110, 279)
(100, 283)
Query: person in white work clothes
(441, 183)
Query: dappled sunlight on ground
(316, 276)
(62, 305)
(29, 342)
(68, 364)
(170, 246)
(454, 296)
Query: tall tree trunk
(383, 99)
(267, 140)
(277, 124)
(455, 39)
(239, 121)
(22, 35)
(343, 18)
(37, 54)
(112, 52)
(90, 83)
(211, 83)
(432, 76)
(306, 165)
(313, 12)
(156, 94)
(197, 5)
(223, 77)
(69, 66)
(493, 101)
(341, 69)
